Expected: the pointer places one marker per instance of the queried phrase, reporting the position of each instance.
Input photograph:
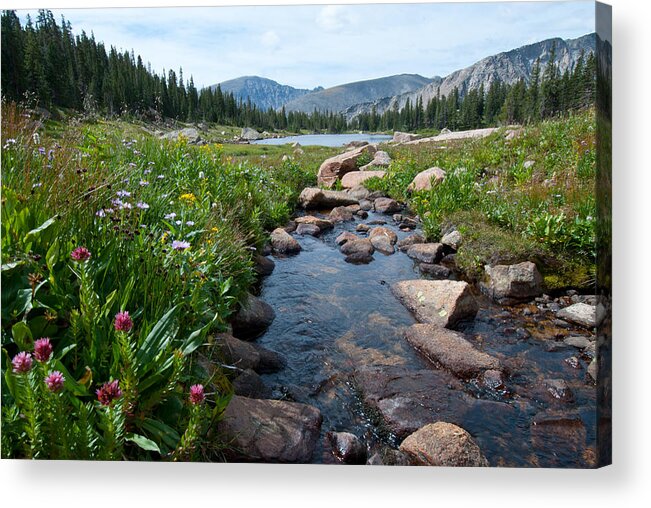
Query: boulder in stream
(347, 447)
(257, 430)
(253, 317)
(509, 284)
(283, 243)
(313, 197)
(336, 167)
(440, 302)
(443, 444)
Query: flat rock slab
(440, 302)
(355, 178)
(454, 136)
(269, 430)
(451, 350)
(253, 318)
(322, 224)
(313, 197)
(443, 444)
(283, 243)
(426, 252)
(581, 314)
(336, 167)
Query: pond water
(325, 139)
(333, 318)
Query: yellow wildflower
(188, 197)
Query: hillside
(264, 93)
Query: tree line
(42, 62)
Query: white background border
(626, 483)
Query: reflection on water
(334, 317)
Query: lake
(325, 139)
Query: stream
(333, 318)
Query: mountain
(340, 97)
(508, 67)
(263, 93)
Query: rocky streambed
(363, 347)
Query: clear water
(325, 139)
(333, 317)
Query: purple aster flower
(123, 322)
(170, 216)
(132, 164)
(100, 213)
(117, 202)
(146, 171)
(80, 254)
(127, 206)
(123, 194)
(22, 362)
(160, 177)
(37, 184)
(41, 150)
(144, 183)
(180, 245)
(197, 394)
(189, 223)
(109, 392)
(54, 381)
(43, 349)
(178, 222)
(142, 205)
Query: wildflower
(170, 216)
(37, 184)
(36, 138)
(214, 229)
(22, 362)
(132, 164)
(142, 205)
(108, 392)
(80, 254)
(117, 202)
(123, 322)
(178, 222)
(54, 381)
(100, 213)
(50, 154)
(144, 183)
(189, 223)
(180, 245)
(160, 177)
(41, 150)
(188, 197)
(43, 349)
(127, 206)
(123, 194)
(197, 394)
(202, 175)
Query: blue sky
(310, 45)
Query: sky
(326, 45)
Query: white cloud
(270, 39)
(335, 18)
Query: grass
(535, 193)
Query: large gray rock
(355, 178)
(250, 134)
(340, 214)
(440, 302)
(336, 167)
(509, 284)
(443, 444)
(236, 352)
(322, 224)
(250, 384)
(581, 314)
(313, 197)
(451, 350)
(380, 160)
(283, 243)
(386, 205)
(410, 240)
(269, 430)
(253, 318)
(189, 134)
(426, 179)
(263, 265)
(383, 244)
(403, 137)
(426, 252)
(452, 239)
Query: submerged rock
(451, 350)
(258, 430)
(509, 284)
(443, 444)
(253, 318)
(441, 302)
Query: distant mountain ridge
(262, 92)
(339, 98)
(507, 67)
